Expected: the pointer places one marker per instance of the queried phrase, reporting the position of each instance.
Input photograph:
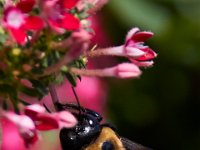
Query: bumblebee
(90, 134)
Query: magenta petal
(10, 132)
(46, 122)
(33, 110)
(26, 5)
(34, 23)
(149, 55)
(70, 22)
(141, 36)
(55, 26)
(19, 35)
(68, 3)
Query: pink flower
(138, 53)
(35, 118)
(49, 121)
(133, 49)
(124, 70)
(10, 132)
(18, 22)
(58, 16)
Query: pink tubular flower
(133, 49)
(124, 70)
(49, 121)
(18, 22)
(34, 118)
(57, 14)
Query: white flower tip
(36, 108)
(132, 32)
(26, 122)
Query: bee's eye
(107, 145)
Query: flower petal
(134, 52)
(142, 63)
(34, 23)
(149, 55)
(55, 26)
(66, 119)
(33, 110)
(70, 22)
(46, 122)
(141, 36)
(19, 35)
(131, 33)
(10, 132)
(68, 3)
(26, 5)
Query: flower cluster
(44, 42)
(33, 118)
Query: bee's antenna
(47, 109)
(77, 100)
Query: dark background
(161, 109)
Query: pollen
(16, 51)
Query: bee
(90, 134)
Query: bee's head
(86, 131)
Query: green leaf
(71, 78)
(31, 92)
(37, 70)
(59, 79)
(39, 87)
(3, 37)
(11, 91)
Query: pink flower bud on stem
(124, 70)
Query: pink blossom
(133, 48)
(124, 70)
(139, 54)
(18, 22)
(49, 121)
(33, 118)
(10, 132)
(57, 14)
(127, 70)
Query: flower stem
(54, 96)
(111, 51)
(95, 72)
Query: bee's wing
(130, 145)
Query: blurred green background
(161, 109)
